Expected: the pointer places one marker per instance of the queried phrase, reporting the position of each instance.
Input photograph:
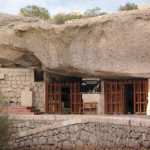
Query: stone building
(21, 87)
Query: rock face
(110, 46)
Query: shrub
(7, 129)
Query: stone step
(22, 110)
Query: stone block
(9, 74)
(9, 89)
(50, 140)
(62, 137)
(84, 136)
(14, 82)
(67, 145)
(26, 98)
(2, 76)
(56, 139)
(27, 78)
(71, 129)
(35, 141)
(11, 94)
(19, 82)
(23, 78)
(28, 82)
(146, 144)
(63, 130)
(14, 86)
(18, 78)
(42, 140)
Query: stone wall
(96, 132)
(148, 104)
(24, 125)
(99, 98)
(15, 81)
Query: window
(38, 76)
(91, 86)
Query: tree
(94, 12)
(128, 6)
(35, 11)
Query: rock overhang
(109, 47)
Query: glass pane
(108, 97)
(118, 88)
(113, 107)
(118, 108)
(137, 108)
(142, 87)
(48, 88)
(49, 98)
(142, 98)
(108, 88)
(53, 89)
(108, 107)
(113, 98)
(118, 97)
(142, 107)
(53, 99)
(53, 108)
(72, 98)
(113, 88)
(137, 98)
(48, 107)
(137, 87)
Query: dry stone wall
(23, 125)
(88, 133)
(15, 81)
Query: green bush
(128, 6)
(62, 18)
(7, 128)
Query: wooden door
(75, 97)
(140, 96)
(53, 98)
(113, 97)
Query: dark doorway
(129, 98)
(65, 100)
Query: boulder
(110, 46)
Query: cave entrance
(63, 98)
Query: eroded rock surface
(110, 46)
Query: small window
(38, 76)
(90, 86)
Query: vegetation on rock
(128, 6)
(61, 18)
(35, 11)
(94, 12)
